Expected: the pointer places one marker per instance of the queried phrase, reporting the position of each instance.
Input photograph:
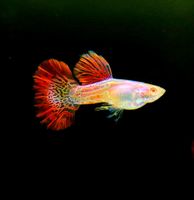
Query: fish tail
(53, 82)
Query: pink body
(122, 94)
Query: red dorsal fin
(92, 68)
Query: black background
(145, 42)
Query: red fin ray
(52, 82)
(92, 68)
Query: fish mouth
(157, 96)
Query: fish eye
(153, 90)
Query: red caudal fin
(52, 83)
(92, 68)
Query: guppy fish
(58, 94)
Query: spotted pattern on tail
(53, 82)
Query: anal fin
(114, 113)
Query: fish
(59, 93)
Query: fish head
(150, 93)
(133, 94)
(155, 92)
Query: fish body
(58, 95)
(121, 94)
